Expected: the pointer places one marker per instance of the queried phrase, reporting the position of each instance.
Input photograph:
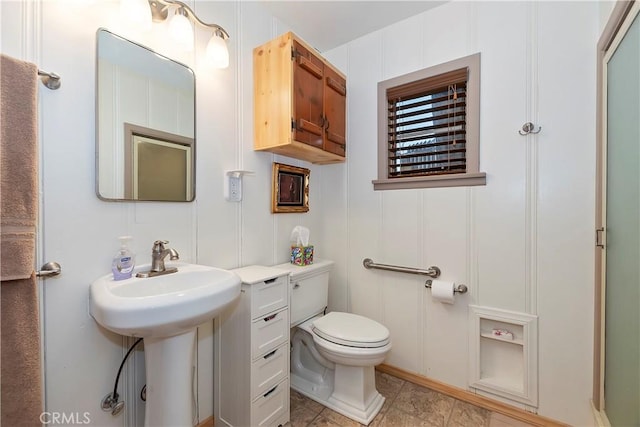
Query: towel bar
(50, 80)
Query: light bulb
(217, 53)
(181, 30)
(137, 12)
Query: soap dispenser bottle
(123, 261)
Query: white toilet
(333, 355)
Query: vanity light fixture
(181, 25)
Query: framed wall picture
(290, 189)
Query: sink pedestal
(169, 370)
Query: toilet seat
(351, 330)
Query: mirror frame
(175, 139)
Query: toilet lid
(351, 330)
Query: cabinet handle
(271, 280)
(599, 237)
(309, 127)
(273, 316)
(334, 137)
(270, 391)
(310, 66)
(337, 86)
(296, 285)
(268, 355)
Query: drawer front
(269, 332)
(268, 296)
(269, 370)
(270, 407)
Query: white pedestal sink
(165, 310)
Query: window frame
(472, 176)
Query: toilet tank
(308, 289)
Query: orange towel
(18, 167)
(20, 370)
(20, 361)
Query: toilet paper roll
(442, 291)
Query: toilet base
(361, 403)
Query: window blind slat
(432, 98)
(429, 84)
(434, 114)
(440, 122)
(415, 148)
(430, 131)
(435, 156)
(459, 138)
(422, 172)
(437, 95)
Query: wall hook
(527, 128)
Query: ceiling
(328, 24)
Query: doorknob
(49, 269)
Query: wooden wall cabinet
(299, 102)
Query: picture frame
(290, 189)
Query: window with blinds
(428, 127)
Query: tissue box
(302, 255)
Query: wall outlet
(233, 188)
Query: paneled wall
(79, 231)
(523, 242)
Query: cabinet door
(307, 96)
(335, 110)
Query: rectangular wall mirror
(145, 123)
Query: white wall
(523, 242)
(79, 231)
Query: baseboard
(600, 417)
(469, 397)
(206, 423)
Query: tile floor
(406, 405)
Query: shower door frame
(616, 21)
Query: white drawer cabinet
(252, 352)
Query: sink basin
(165, 305)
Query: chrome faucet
(158, 254)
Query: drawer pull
(337, 86)
(271, 280)
(273, 316)
(296, 285)
(268, 355)
(270, 391)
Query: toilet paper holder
(460, 289)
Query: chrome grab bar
(431, 271)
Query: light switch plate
(233, 188)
